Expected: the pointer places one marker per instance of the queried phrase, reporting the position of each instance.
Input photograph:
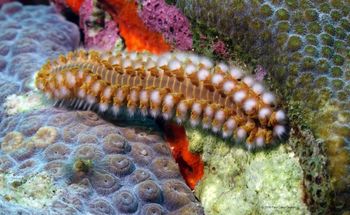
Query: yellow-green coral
(305, 46)
(44, 136)
(30, 101)
(248, 183)
(12, 141)
(36, 191)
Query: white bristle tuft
(107, 92)
(174, 65)
(220, 116)
(120, 94)
(202, 74)
(70, 79)
(194, 59)
(194, 122)
(154, 58)
(155, 96)
(217, 79)
(189, 69)
(144, 112)
(52, 86)
(249, 146)
(249, 81)
(226, 134)
(206, 125)
(162, 61)
(228, 86)
(216, 129)
(182, 56)
(133, 95)
(114, 60)
(268, 98)
(236, 73)
(81, 93)
(150, 64)
(230, 124)
(40, 86)
(166, 115)
(126, 63)
(133, 56)
(105, 56)
(90, 99)
(143, 96)
(279, 130)
(131, 111)
(64, 91)
(103, 107)
(206, 62)
(223, 67)
(249, 105)
(80, 104)
(241, 133)
(264, 112)
(258, 88)
(80, 74)
(169, 100)
(59, 78)
(182, 107)
(154, 112)
(144, 58)
(197, 108)
(280, 116)
(137, 65)
(209, 111)
(96, 87)
(239, 96)
(115, 109)
(260, 142)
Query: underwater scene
(180, 107)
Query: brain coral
(305, 46)
(120, 176)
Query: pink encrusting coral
(260, 73)
(100, 31)
(168, 20)
(219, 48)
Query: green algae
(35, 191)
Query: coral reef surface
(248, 183)
(168, 20)
(84, 164)
(100, 31)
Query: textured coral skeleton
(179, 86)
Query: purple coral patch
(99, 32)
(168, 20)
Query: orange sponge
(74, 5)
(132, 29)
(191, 165)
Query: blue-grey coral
(30, 35)
(127, 179)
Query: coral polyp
(179, 86)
